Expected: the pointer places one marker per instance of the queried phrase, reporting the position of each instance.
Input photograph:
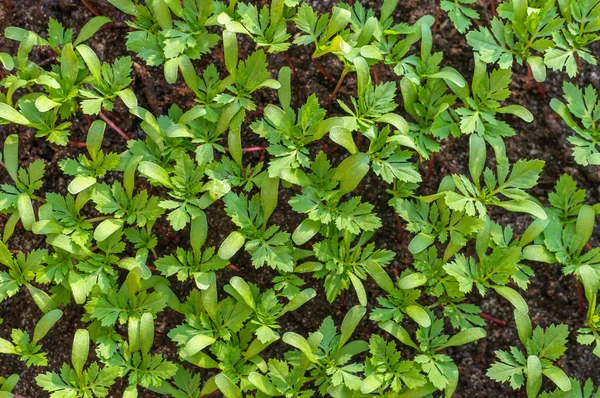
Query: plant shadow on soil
(551, 296)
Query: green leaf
(514, 297)
(90, 29)
(450, 74)
(380, 276)
(584, 226)
(538, 69)
(25, 208)
(6, 257)
(7, 112)
(156, 173)
(351, 171)
(269, 194)
(91, 60)
(558, 377)
(11, 154)
(231, 245)
(227, 387)
(343, 138)
(285, 92)
(127, 6)
(263, 384)
(419, 315)
(80, 183)
(146, 332)
(45, 324)
(305, 231)
(243, 289)
(534, 376)
(69, 68)
(465, 337)
(477, 156)
(80, 351)
(299, 342)
(94, 138)
(412, 281)
(359, 288)
(106, 228)
(41, 299)
(299, 300)
(162, 13)
(399, 333)
(6, 347)
(524, 328)
(350, 323)
(230, 48)
(196, 344)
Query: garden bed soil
(552, 297)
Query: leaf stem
(490, 318)
(89, 7)
(322, 70)
(338, 85)
(113, 126)
(101, 218)
(39, 199)
(580, 297)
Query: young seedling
(327, 354)
(78, 381)
(438, 369)
(581, 114)
(542, 348)
(26, 348)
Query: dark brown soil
(551, 296)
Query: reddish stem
(323, 71)
(430, 167)
(89, 7)
(326, 148)
(291, 64)
(375, 75)
(7, 2)
(337, 88)
(578, 61)
(493, 6)
(398, 223)
(540, 87)
(437, 18)
(113, 126)
(167, 232)
(359, 139)
(77, 143)
(529, 75)
(233, 267)
(580, 298)
(254, 149)
(490, 318)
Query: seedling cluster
(100, 245)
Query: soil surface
(552, 297)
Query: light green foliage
(581, 113)
(542, 348)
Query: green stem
(35, 197)
(101, 218)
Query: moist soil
(552, 297)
